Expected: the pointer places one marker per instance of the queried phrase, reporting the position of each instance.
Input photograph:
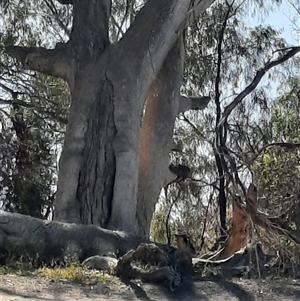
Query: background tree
(246, 130)
(33, 115)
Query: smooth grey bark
(152, 37)
(98, 170)
(55, 62)
(193, 103)
(26, 235)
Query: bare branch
(199, 133)
(54, 11)
(259, 75)
(52, 62)
(205, 220)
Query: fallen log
(48, 241)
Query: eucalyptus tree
(112, 168)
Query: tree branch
(52, 62)
(221, 132)
(65, 1)
(193, 103)
(54, 11)
(259, 75)
(157, 26)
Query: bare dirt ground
(17, 288)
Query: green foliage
(250, 126)
(158, 227)
(33, 112)
(277, 169)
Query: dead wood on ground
(47, 241)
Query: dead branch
(126, 270)
(47, 240)
(171, 264)
(239, 232)
(205, 220)
(168, 230)
(65, 1)
(270, 224)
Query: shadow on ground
(236, 290)
(13, 294)
(147, 292)
(287, 289)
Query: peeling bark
(239, 231)
(156, 135)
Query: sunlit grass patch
(78, 274)
(19, 269)
(72, 272)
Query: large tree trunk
(156, 134)
(99, 166)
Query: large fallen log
(47, 241)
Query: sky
(285, 19)
(281, 19)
